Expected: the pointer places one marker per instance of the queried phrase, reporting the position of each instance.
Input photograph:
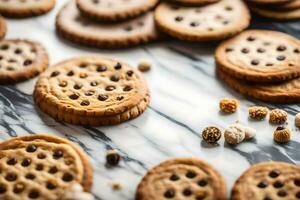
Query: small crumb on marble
(116, 186)
(112, 157)
(144, 66)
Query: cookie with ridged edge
(114, 11)
(286, 92)
(269, 180)
(212, 22)
(23, 9)
(3, 28)
(21, 60)
(71, 26)
(42, 167)
(182, 178)
(268, 2)
(92, 91)
(282, 15)
(260, 56)
(293, 5)
(192, 2)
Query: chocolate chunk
(174, 177)
(26, 162)
(31, 148)
(274, 173)
(102, 97)
(118, 66)
(58, 154)
(262, 184)
(169, 194)
(113, 158)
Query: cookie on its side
(21, 60)
(192, 2)
(42, 167)
(28, 8)
(114, 11)
(92, 91)
(270, 180)
(212, 22)
(71, 26)
(286, 92)
(182, 178)
(3, 28)
(260, 56)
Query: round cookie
(180, 179)
(25, 8)
(268, 2)
(112, 11)
(282, 15)
(269, 180)
(21, 60)
(73, 27)
(41, 167)
(293, 5)
(212, 22)
(286, 92)
(260, 56)
(192, 2)
(3, 28)
(92, 91)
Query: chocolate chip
(120, 98)
(267, 198)
(70, 73)
(51, 186)
(261, 50)
(39, 167)
(178, 18)
(118, 66)
(202, 183)
(255, 62)
(274, 173)
(228, 8)
(18, 51)
(110, 88)
(114, 78)
(63, 84)
(113, 158)
(55, 73)
(298, 195)
(130, 73)
(127, 88)
(89, 93)
(296, 51)
(282, 193)
(41, 156)
(225, 22)
(102, 97)
(11, 177)
(262, 184)
(30, 176)
(27, 62)
(191, 174)
(85, 103)
(278, 184)
(53, 170)
(26, 162)
(31, 148)
(228, 49)
(187, 192)
(83, 65)
(58, 154)
(101, 68)
(4, 47)
(174, 177)
(67, 177)
(128, 28)
(2, 189)
(280, 58)
(297, 182)
(83, 75)
(34, 194)
(269, 64)
(94, 83)
(74, 96)
(78, 86)
(201, 196)
(169, 194)
(12, 161)
(251, 38)
(245, 50)
(280, 128)
(18, 188)
(281, 48)
(194, 24)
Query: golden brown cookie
(73, 27)
(2, 28)
(92, 91)
(180, 179)
(21, 60)
(286, 92)
(269, 180)
(192, 2)
(268, 2)
(25, 8)
(112, 11)
(260, 56)
(41, 167)
(212, 22)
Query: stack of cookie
(283, 10)
(202, 20)
(106, 23)
(262, 64)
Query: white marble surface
(185, 96)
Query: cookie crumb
(144, 66)
(228, 105)
(234, 134)
(116, 186)
(211, 135)
(258, 112)
(113, 157)
(278, 116)
(297, 120)
(282, 135)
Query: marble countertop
(185, 97)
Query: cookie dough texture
(75, 28)
(25, 8)
(92, 91)
(260, 56)
(21, 60)
(116, 10)
(234, 134)
(270, 180)
(42, 167)
(182, 178)
(212, 22)
(3, 27)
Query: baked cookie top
(181, 179)
(2, 27)
(212, 22)
(271, 180)
(21, 60)
(259, 55)
(92, 86)
(108, 10)
(39, 167)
